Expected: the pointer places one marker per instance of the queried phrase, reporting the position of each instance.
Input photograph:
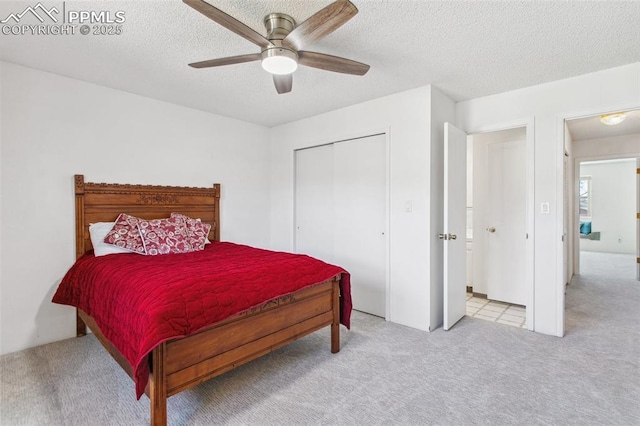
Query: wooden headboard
(103, 202)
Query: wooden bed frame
(180, 364)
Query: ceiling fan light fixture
(280, 61)
(613, 119)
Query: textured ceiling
(592, 128)
(466, 48)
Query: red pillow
(125, 234)
(164, 236)
(197, 231)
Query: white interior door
(359, 179)
(314, 219)
(506, 230)
(638, 216)
(455, 214)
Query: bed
(179, 363)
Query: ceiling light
(279, 60)
(613, 119)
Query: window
(585, 196)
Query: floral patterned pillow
(164, 236)
(97, 232)
(197, 231)
(125, 234)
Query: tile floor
(491, 310)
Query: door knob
(453, 236)
(491, 229)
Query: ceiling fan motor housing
(278, 25)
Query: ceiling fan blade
(321, 24)
(332, 63)
(283, 82)
(226, 61)
(228, 22)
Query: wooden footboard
(183, 363)
(180, 364)
(228, 344)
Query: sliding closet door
(314, 217)
(359, 183)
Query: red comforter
(141, 301)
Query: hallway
(606, 296)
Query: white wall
(407, 117)
(607, 148)
(613, 205)
(549, 104)
(54, 127)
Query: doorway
(497, 223)
(604, 188)
(588, 138)
(607, 211)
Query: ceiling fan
(281, 49)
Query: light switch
(408, 206)
(544, 208)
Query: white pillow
(97, 232)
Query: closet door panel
(359, 191)
(314, 218)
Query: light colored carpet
(478, 373)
